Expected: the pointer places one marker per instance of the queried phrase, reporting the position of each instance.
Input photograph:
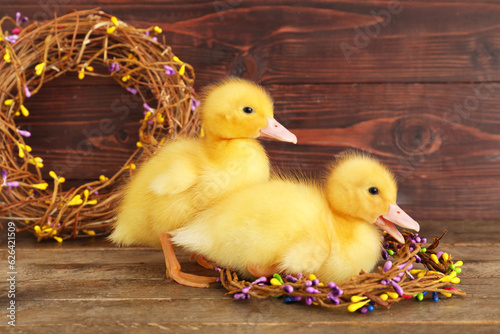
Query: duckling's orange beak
(396, 216)
(277, 131)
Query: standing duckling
(187, 175)
(293, 227)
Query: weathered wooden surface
(279, 41)
(91, 286)
(421, 91)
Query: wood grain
(89, 130)
(89, 285)
(445, 157)
(295, 42)
(249, 327)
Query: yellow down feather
(186, 175)
(298, 226)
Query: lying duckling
(293, 227)
(187, 175)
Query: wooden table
(88, 285)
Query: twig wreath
(396, 280)
(76, 42)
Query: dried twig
(76, 42)
(397, 280)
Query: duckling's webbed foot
(174, 267)
(202, 261)
(260, 271)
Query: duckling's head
(236, 108)
(361, 187)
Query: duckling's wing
(177, 167)
(177, 177)
(305, 256)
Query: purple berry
(397, 288)
(333, 298)
(387, 266)
(260, 280)
(385, 255)
(239, 296)
(312, 290)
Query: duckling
(292, 227)
(188, 174)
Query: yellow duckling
(294, 227)
(186, 175)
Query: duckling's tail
(126, 233)
(118, 236)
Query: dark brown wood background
(422, 93)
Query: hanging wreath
(75, 43)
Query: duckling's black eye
(248, 110)
(373, 191)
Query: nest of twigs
(395, 281)
(76, 43)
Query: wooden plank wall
(417, 83)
